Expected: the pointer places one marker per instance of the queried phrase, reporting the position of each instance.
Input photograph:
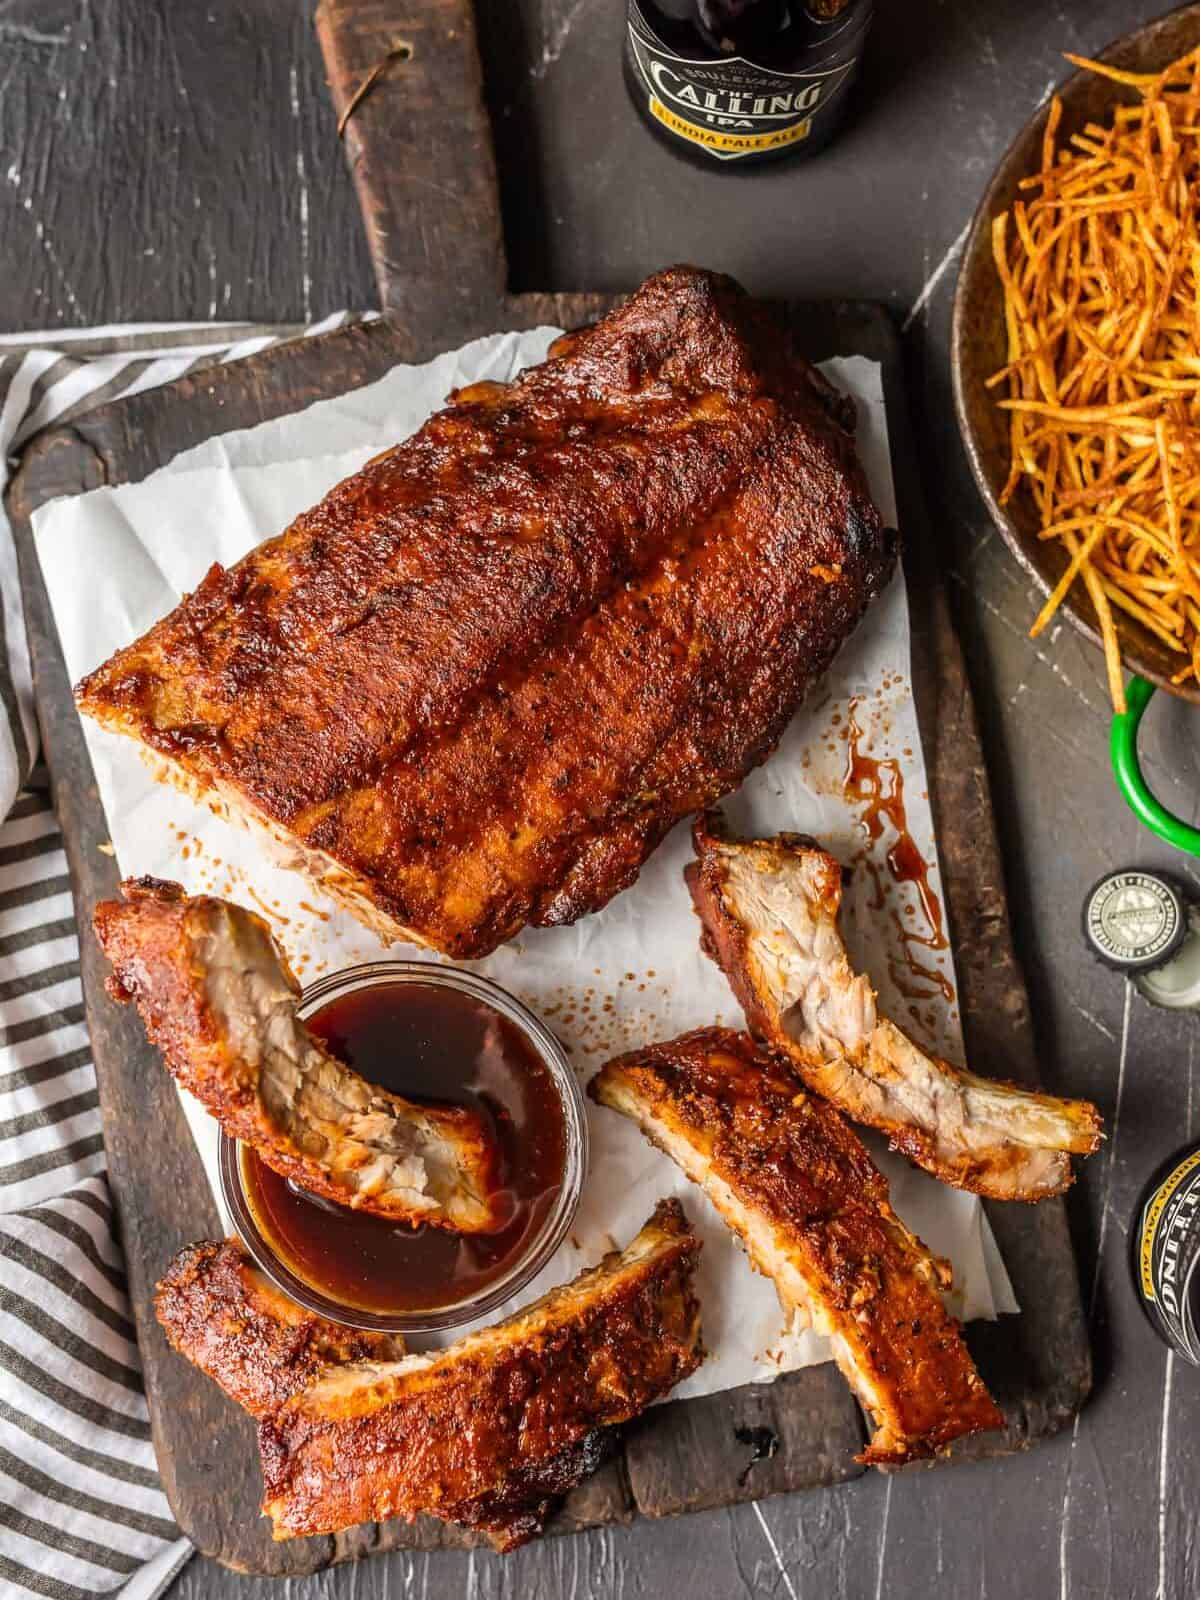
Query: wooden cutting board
(432, 215)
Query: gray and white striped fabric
(81, 1509)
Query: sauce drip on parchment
(876, 783)
(432, 1045)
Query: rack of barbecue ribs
(489, 1432)
(769, 909)
(791, 1178)
(218, 998)
(477, 684)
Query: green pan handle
(1129, 777)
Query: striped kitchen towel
(82, 1512)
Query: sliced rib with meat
(220, 1312)
(769, 908)
(219, 1000)
(792, 1179)
(477, 684)
(467, 1432)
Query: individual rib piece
(218, 1310)
(791, 1178)
(478, 683)
(769, 909)
(473, 1426)
(219, 1000)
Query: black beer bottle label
(731, 108)
(1166, 1254)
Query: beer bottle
(1164, 1252)
(729, 83)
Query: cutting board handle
(419, 144)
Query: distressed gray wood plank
(713, 1555)
(1121, 1497)
(170, 162)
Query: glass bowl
(538, 1249)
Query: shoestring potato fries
(1101, 274)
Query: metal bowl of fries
(1076, 366)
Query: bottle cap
(1176, 984)
(1135, 920)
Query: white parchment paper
(115, 560)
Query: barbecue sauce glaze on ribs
(258, 1345)
(478, 683)
(488, 1433)
(218, 998)
(792, 1180)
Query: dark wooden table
(166, 161)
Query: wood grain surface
(419, 146)
(1108, 1506)
(163, 161)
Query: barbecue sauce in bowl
(433, 1044)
